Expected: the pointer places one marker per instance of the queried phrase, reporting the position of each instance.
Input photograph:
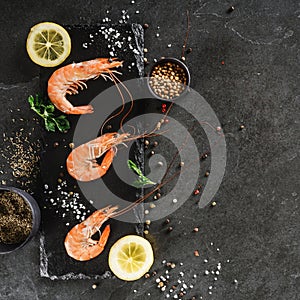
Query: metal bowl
(174, 61)
(36, 219)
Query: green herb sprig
(142, 179)
(45, 109)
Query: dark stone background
(256, 221)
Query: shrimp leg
(106, 162)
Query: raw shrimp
(67, 79)
(79, 243)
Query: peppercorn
(196, 229)
(196, 253)
(196, 192)
(230, 9)
(155, 144)
(189, 50)
(55, 144)
(146, 26)
(170, 229)
(167, 221)
(204, 156)
(206, 174)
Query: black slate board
(57, 220)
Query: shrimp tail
(103, 239)
(80, 110)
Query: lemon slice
(48, 44)
(130, 257)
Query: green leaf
(38, 101)
(50, 108)
(31, 100)
(132, 166)
(45, 109)
(142, 180)
(50, 125)
(62, 123)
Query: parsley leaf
(142, 179)
(45, 109)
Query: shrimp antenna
(187, 33)
(123, 102)
(131, 100)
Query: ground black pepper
(15, 218)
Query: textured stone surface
(256, 221)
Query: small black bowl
(176, 62)
(36, 219)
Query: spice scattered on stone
(22, 155)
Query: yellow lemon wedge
(130, 257)
(48, 44)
